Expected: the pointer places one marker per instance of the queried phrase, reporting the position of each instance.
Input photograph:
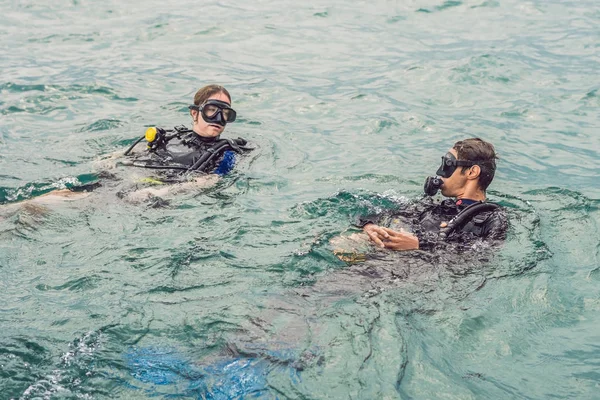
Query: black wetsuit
(176, 154)
(188, 149)
(424, 218)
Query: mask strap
(464, 163)
(195, 108)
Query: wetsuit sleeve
(362, 220)
(381, 218)
(427, 240)
(227, 163)
(495, 226)
(492, 231)
(486, 226)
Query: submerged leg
(58, 196)
(38, 206)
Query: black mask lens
(229, 114)
(217, 112)
(448, 166)
(210, 110)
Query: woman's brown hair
(204, 93)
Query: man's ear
(474, 172)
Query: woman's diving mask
(215, 112)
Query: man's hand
(377, 234)
(391, 239)
(400, 240)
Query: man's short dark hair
(483, 154)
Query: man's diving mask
(449, 165)
(215, 112)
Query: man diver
(467, 170)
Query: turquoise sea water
(350, 106)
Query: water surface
(350, 106)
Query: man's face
(454, 185)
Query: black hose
(155, 166)
(464, 216)
(133, 145)
(207, 156)
(166, 138)
(215, 151)
(236, 144)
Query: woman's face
(206, 129)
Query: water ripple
(349, 105)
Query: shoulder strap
(465, 216)
(215, 150)
(476, 224)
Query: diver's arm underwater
(390, 239)
(378, 227)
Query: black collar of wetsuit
(465, 202)
(458, 204)
(198, 140)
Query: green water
(350, 106)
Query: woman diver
(173, 160)
(181, 154)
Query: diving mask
(215, 112)
(449, 164)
